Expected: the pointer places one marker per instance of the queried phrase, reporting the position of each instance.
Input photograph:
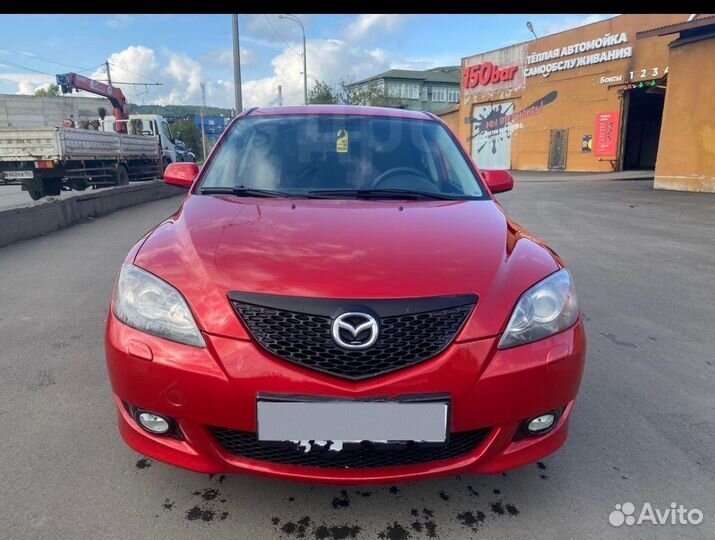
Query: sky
(182, 51)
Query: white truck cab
(152, 124)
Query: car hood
(352, 249)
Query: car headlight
(145, 302)
(548, 308)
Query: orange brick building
(589, 99)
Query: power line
(114, 83)
(7, 62)
(134, 72)
(282, 38)
(35, 57)
(18, 66)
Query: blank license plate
(352, 421)
(18, 175)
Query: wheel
(121, 176)
(165, 162)
(80, 185)
(36, 194)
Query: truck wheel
(121, 176)
(165, 162)
(80, 184)
(36, 194)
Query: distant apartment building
(430, 90)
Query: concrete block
(18, 224)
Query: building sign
(608, 40)
(611, 80)
(606, 134)
(494, 72)
(487, 73)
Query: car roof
(339, 110)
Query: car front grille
(299, 330)
(364, 455)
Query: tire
(36, 194)
(80, 185)
(165, 162)
(121, 176)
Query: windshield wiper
(380, 193)
(244, 191)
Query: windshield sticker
(341, 144)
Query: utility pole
(280, 95)
(109, 76)
(305, 69)
(203, 106)
(237, 67)
(305, 64)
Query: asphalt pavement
(643, 430)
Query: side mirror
(181, 174)
(498, 180)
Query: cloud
(179, 74)
(27, 83)
(120, 21)
(367, 26)
(567, 23)
(426, 63)
(143, 62)
(223, 58)
(327, 60)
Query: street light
(531, 29)
(310, 77)
(305, 66)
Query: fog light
(541, 424)
(154, 423)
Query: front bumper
(218, 386)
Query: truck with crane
(47, 160)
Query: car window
(166, 130)
(303, 153)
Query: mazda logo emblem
(355, 331)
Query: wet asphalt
(643, 430)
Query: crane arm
(73, 81)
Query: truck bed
(64, 144)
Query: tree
(188, 132)
(322, 94)
(52, 90)
(346, 93)
(178, 110)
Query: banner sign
(606, 134)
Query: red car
(340, 299)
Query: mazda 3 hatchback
(340, 299)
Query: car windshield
(338, 156)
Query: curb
(18, 224)
(582, 180)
